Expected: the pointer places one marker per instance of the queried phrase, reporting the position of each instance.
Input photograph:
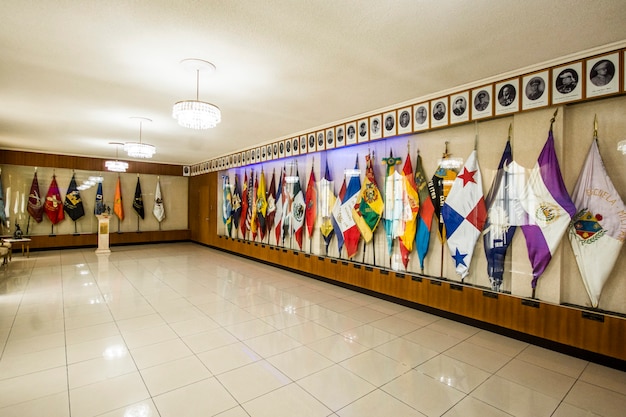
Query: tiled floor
(176, 330)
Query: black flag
(73, 205)
(138, 200)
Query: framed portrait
(535, 89)
(330, 138)
(459, 111)
(507, 96)
(567, 83)
(263, 154)
(340, 139)
(242, 158)
(311, 142)
(303, 145)
(405, 120)
(439, 112)
(321, 140)
(281, 149)
(363, 131)
(275, 151)
(421, 121)
(482, 102)
(295, 144)
(211, 164)
(258, 154)
(288, 147)
(603, 75)
(375, 130)
(389, 124)
(248, 156)
(351, 137)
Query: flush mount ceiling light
(116, 166)
(196, 114)
(139, 149)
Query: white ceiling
(72, 73)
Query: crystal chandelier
(139, 149)
(196, 114)
(116, 166)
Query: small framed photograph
(321, 142)
(603, 75)
(263, 154)
(460, 111)
(295, 144)
(330, 138)
(351, 138)
(439, 112)
(363, 130)
(270, 154)
(311, 142)
(405, 119)
(507, 96)
(288, 147)
(303, 145)
(275, 151)
(389, 124)
(340, 140)
(242, 158)
(567, 83)
(420, 119)
(536, 93)
(258, 155)
(375, 130)
(248, 157)
(281, 149)
(211, 164)
(482, 102)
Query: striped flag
(410, 209)
(261, 206)
(425, 213)
(349, 229)
(252, 197)
(281, 197)
(336, 213)
(393, 201)
(439, 187)
(369, 208)
(326, 203)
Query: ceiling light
(116, 166)
(196, 114)
(621, 146)
(139, 149)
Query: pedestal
(103, 235)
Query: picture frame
(330, 138)
(295, 144)
(258, 155)
(275, 150)
(482, 102)
(405, 120)
(363, 130)
(439, 112)
(507, 98)
(311, 143)
(248, 156)
(321, 140)
(263, 154)
(281, 149)
(242, 158)
(603, 74)
(340, 138)
(288, 147)
(459, 107)
(351, 136)
(375, 124)
(567, 83)
(421, 119)
(535, 90)
(303, 146)
(389, 124)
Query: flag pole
(595, 128)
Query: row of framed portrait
(583, 79)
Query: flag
(393, 200)
(118, 207)
(336, 213)
(281, 197)
(345, 219)
(425, 213)
(464, 214)
(410, 209)
(298, 209)
(158, 210)
(598, 230)
(287, 207)
(54, 205)
(7, 203)
(270, 214)
(370, 205)
(3, 217)
(439, 187)
(549, 209)
(245, 208)
(35, 202)
(326, 203)
(73, 204)
(99, 204)
(138, 200)
(236, 203)
(227, 205)
(252, 196)
(311, 204)
(261, 205)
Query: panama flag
(369, 207)
(549, 210)
(336, 214)
(236, 204)
(464, 214)
(227, 205)
(54, 205)
(298, 209)
(326, 203)
(245, 209)
(425, 213)
(410, 209)
(311, 204)
(598, 230)
(35, 202)
(349, 229)
(158, 210)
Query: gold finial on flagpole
(476, 135)
(553, 118)
(595, 127)
(445, 152)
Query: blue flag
(73, 204)
(99, 207)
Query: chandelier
(196, 114)
(116, 166)
(139, 149)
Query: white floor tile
(287, 401)
(454, 373)
(337, 347)
(378, 403)
(300, 362)
(204, 398)
(406, 352)
(596, 399)
(55, 405)
(253, 380)
(229, 357)
(175, 374)
(540, 379)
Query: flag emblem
(588, 227)
(546, 213)
(298, 211)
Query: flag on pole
(425, 213)
(345, 219)
(35, 202)
(98, 208)
(3, 217)
(227, 205)
(336, 213)
(287, 218)
(73, 204)
(118, 207)
(281, 196)
(410, 209)
(236, 204)
(326, 203)
(7, 201)
(311, 203)
(439, 187)
(271, 206)
(158, 210)
(245, 208)
(369, 207)
(138, 200)
(254, 222)
(549, 209)
(261, 206)
(298, 209)
(598, 230)
(464, 214)
(54, 205)
(393, 201)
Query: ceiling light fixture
(621, 146)
(139, 149)
(196, 114)
(116, 166)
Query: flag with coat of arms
(369, 208)
(410, 210)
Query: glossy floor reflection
(177, 330)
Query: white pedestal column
(103, 234)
